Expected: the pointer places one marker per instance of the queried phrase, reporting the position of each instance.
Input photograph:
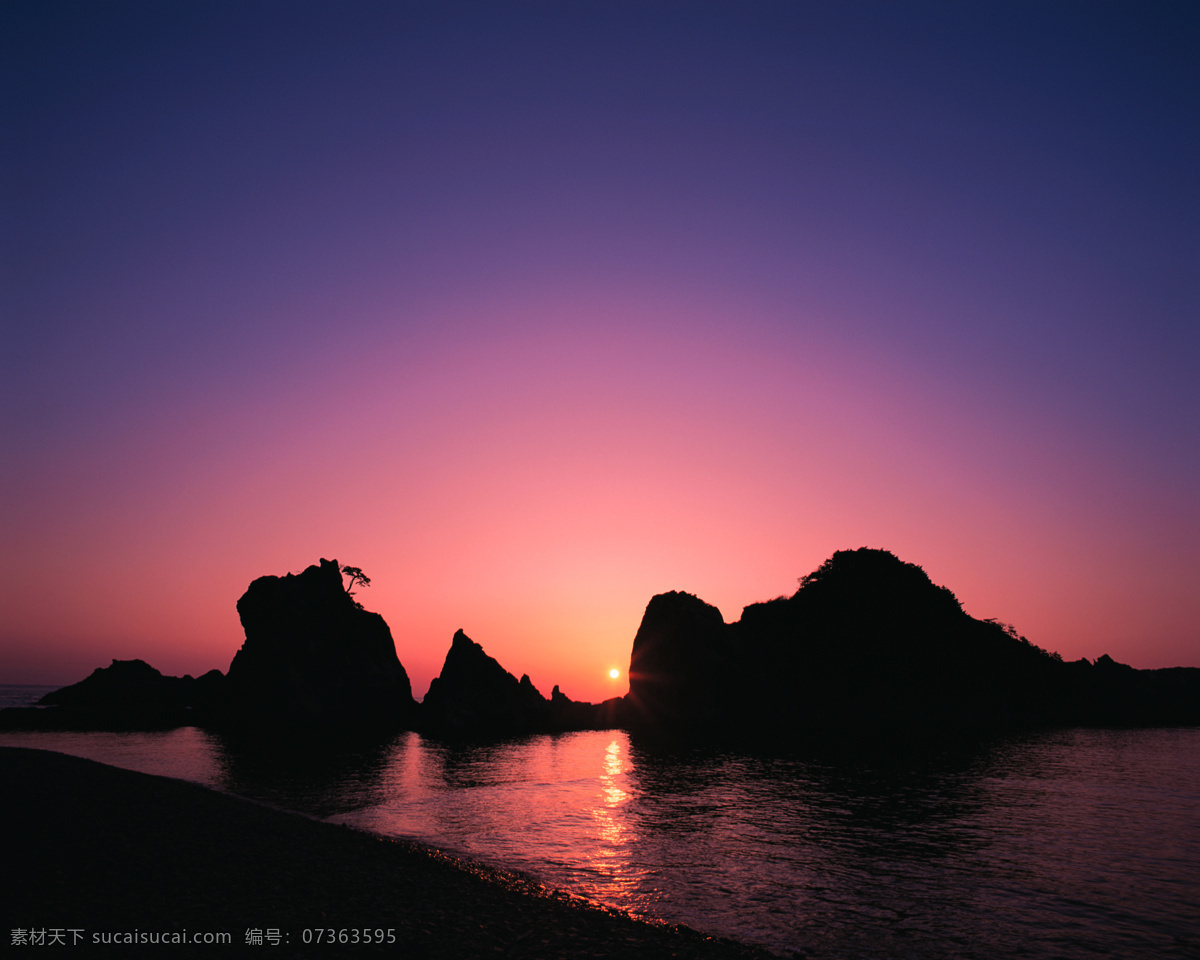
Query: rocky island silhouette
(867, 649)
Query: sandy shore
(92, 848)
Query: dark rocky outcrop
(1108, 693)
(680, 666)
(869, 645)
(314, 658)
(474, 695)
(868, 648)
(567, 714)
(128, 695)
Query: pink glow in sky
(533, 313)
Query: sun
(614, 673)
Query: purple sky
(533, 311)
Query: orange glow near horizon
(544, 535)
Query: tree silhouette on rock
(356, 577)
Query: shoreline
(104, 850)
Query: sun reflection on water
(614, 832)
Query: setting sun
(614, 673)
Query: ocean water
(22, 694)
(1063, 844)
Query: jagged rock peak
(466, 659)
(475, 694)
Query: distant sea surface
(1064, 844)
(23, 694)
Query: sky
(533, 311)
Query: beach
(117, 863)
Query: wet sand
(93, 848)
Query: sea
(1067, 843)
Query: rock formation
(869, 648)
(680, 666)
(567, 714)
(869, 645)
(128, 695)
(313, 657)
(474, 695)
